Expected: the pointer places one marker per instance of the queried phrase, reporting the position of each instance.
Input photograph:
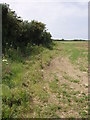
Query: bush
(18, 33)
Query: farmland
(48, 83)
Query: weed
(75, 81)
(54, 85)
(83, 114)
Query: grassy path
(62, 90)
(52, 83)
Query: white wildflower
(42, 70)
(4, 60)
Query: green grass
(50, 111)
(69, 78)
(53, 85)
(40, 92)
(24, 93)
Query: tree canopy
(18, 33)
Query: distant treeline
(68, 40)
(17, 33)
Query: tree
(18, 33)
(46, 38)
(10, 27)
(36, 30)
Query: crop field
(48, 83)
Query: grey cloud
(63, 19)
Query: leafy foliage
(18, 33)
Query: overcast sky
(66, 19)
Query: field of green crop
(49, 83)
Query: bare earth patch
(76, 81)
